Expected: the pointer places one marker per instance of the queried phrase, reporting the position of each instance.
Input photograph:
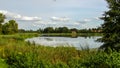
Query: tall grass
(16, 53)
(20, 54)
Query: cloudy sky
(34, 14)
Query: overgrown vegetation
(20, 54)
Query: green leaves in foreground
(103, 60)
(48, 57)
(3, 64)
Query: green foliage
(65, 30)
(111, 26)
(48, 30)
(56, 30)
(0, 28)
(22, 59)
(2, 17)
(3, 64)
(75, 63)
(103, 60)
(60, 65)
(62, 30)
(20, 54)
(10, 28)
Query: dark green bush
(103, 60)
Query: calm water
(67, 41)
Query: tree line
(62, 30)
(9, 27)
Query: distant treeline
(62, 30)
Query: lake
(67, 41)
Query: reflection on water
(67, 41)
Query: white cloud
(30, 18)
(10, 15)
(87, 20)
(45, 23)
(81, 22)
(37, 22)
(61, 19)
(76, 23)
(97, 18)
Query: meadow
(16, 53)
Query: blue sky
(34, 14)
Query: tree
(59, 29)
(2, 18)
(10, 27)
(13, 26)
(5, 28)
(62, 30)
(111, 26)
(40, 30)
(48, 30)
(21, 31)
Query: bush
(103, 60)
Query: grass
(16, 53)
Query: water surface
(67, 41)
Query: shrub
(103, 60)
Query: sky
(35, 14)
